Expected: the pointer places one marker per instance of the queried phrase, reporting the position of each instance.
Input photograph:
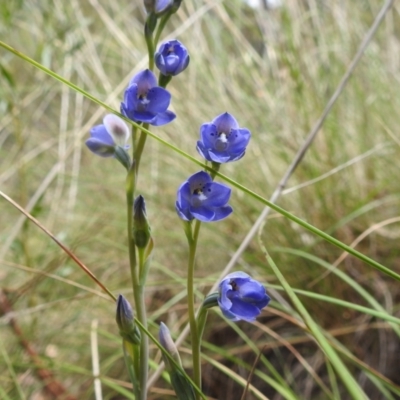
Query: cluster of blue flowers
(222, 140)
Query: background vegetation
(274, 70)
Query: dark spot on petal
(234, 285)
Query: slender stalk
(192, 237)
(140, 143)
(150, 46)
(138, 292)
(201, 321)
(161, 25)
(131, 361)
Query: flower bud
(241, 297)
(125, 321)
(158, 7)
(172, 58)
(169, 345)
(105, 138)
(182, 386)
(141, 229)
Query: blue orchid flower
(146, 102)
(222, 140)
(172, 58)
(104, 139)
(241, 297)
(201, 198)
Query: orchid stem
(140, 143)
(192, 237)
(138, 289)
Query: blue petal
(161, 5)
(222, 212)
(219, 157)
(198, 180)
(237, 157)
(203, 214)
(142, 116)
(183, 213)
(100, 133)
(263, 302)
(159, 100)
(203, 151)
(230, 315)
(163, 118)
(145, 80)
(98, 147)
(184, 194)
(172, 62)
(223, 299)
(237, 275)
(251, 290)
(131, 97)
(238, 140)
(225, 122)
(208, 135)
(160, 62)
(217, 194)
(245, 311)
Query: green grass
(273, 70)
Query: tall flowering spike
(105, 138)
(141, 225)
(172, 58)
(222, 140)
(125, 321)
(201, 198)
(146, 102)
(241, 297)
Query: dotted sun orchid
(241, 297)
(146, 102)
(105, 139)
(172, 58)
(201, 198)
(222, 140)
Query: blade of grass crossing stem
(354, 389)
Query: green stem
(131, 356)
(138, 292)
(140, 143)
(161, 25)
(201, 322)
(215, 168)
(150, 49)
(192, 238)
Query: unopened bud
(169, 345)
(141, 227)
(125, 321)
